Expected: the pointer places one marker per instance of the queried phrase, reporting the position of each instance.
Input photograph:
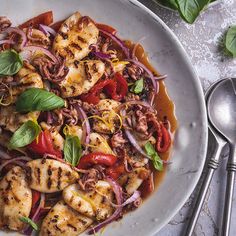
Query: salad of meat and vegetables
(81, 137)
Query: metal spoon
(212, 165)
(222, 115)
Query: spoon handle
(212, 166)
(231, 168)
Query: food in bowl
(86, 126)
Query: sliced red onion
(118, 194)
(14, 160)
(136, 195)
(47, 30)
(118, 41)
(86, 126)
(20, 32)
(161, 77)
(39, 49)
(132, 139)
(101, 55)
(28, 229)
(8, 41)
(141, 65)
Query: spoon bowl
(221, 106)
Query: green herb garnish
(35, 99)
(10, 62)
(25, 135)
(29, 222)
(156, 160)
(138, 86)
(72, 150)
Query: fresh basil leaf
(10, 62)
(35, 99)
(72, 150)
(230, 41)
(29, 222)
(25, 135)
(156, 160)
(138, 86)
(190, 9)
(168, 3)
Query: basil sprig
(72, 150)
(230, 41)
(189, 10)
(29, 222)
(35, 99)
(25, 135)
(138, 86)
(156, 160)
(10, 62)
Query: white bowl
(134, 21)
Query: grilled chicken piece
(15, 199)
(74, 38)
(26, 78)
(81, 78)
(133, 180)
(50, 176)
(74, 130)
(92, 204)
(63, 221)
(108, 109)
(12, 120)
(99, 144)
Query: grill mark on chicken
(86, 69)
(49, 182)
(39, 175)
(57, 228)
(68, 51)
(94, 67)
(59, 172)
(72, 226)
(63, 35)
(8, 185)
(81, 39)
(76, 46)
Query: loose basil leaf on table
(10, 62)
(230, 41)
(72, 150)
(168, 3)
(190, 9)
(156, 160)
(29, 222)
(35, 99)
(25, 135)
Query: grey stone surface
(203, 43)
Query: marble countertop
(203, 42)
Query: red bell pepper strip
(116, 171)
(96, 158)
(44, 145)
(45, 18)
(147, 186)
(106, 28)
(163, 140)
(115, 88)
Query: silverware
(212, 166)
(222, 115)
